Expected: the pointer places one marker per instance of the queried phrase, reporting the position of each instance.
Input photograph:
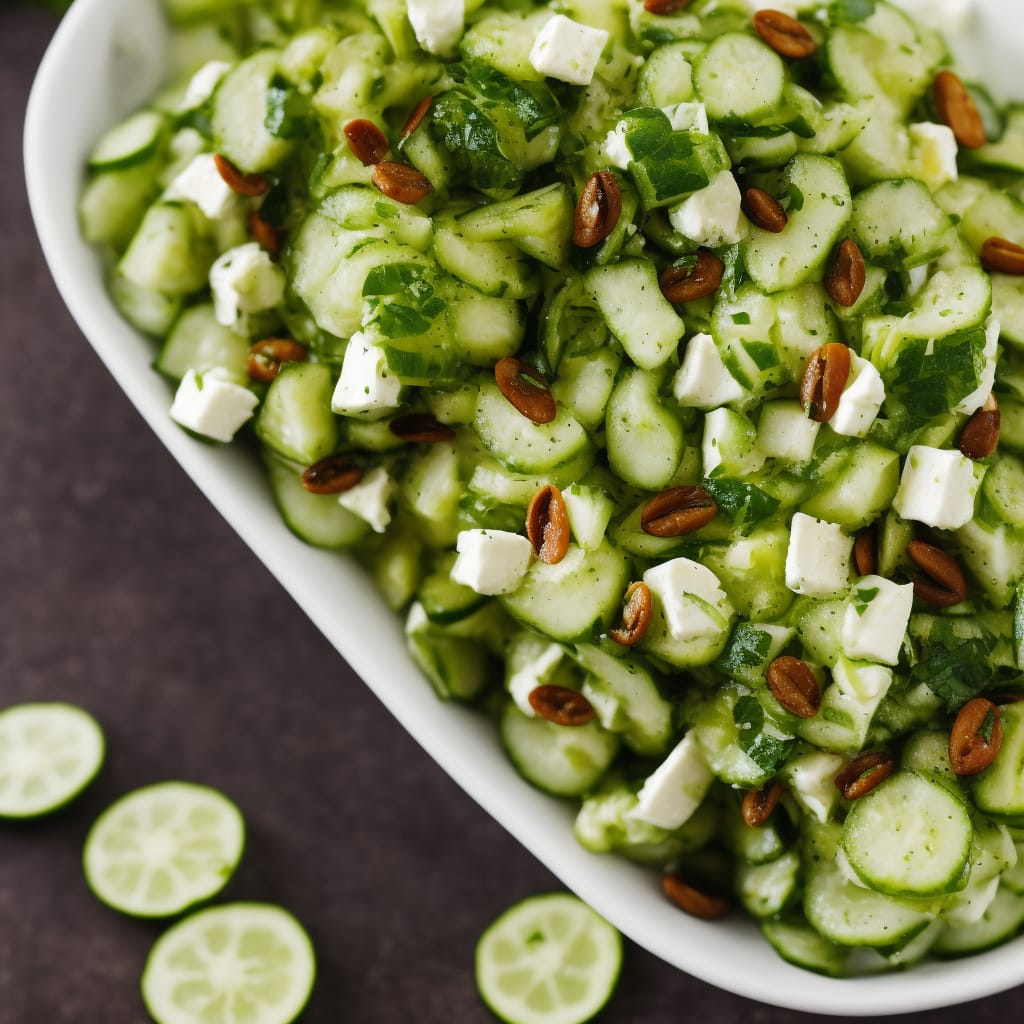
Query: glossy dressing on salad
(661, 360)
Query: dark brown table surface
(123, 591)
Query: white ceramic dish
(106, 59)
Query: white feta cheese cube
(534, 673)
(950, 17)
(245, 280)
(811, 779)
(971, 403)
(691, 597)
(933, 150)
(688, 117)
(702, 381)
(712, 216)
(438, 24)
(491, 561)
(615, 150)
(860, 401)
(370, 497)
(202, 84)
(785, 431)
(938, 487)
(366, 386)
(200, 183)
(818, 559)
(566, 50)
(676, 788)
(590, 511)
(876, 618)
(208, 404)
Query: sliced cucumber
(296, 419)
(49, 753)
(129, 143)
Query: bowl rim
(63, 116)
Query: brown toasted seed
(865, 553)
(547, 525)
(526, 390)
(665, 6)
(825, 377)
(264, 233)
(332, 475)
(943, 583)
(759, 804)
(401, 183)
(636, 615)
(956, 108)
(242, 184)
(980, 436)
(598, 210)
(678, 511)
(846, 276)
(415, 119)
(420, 428)
(865, 772)
(784, 34)
(976, 736)
(764, 211)
(794, 685)
(367, 141)
(266, 357)
(692, 279)
(1000, 255)
(561, 705)
(699, 902)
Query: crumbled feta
(491, 561)
(536, 672)
(818, 559)
(938, 487)
(948, 16)
(730, 437)
(786, 432)
(969, 905)
(202, 84)
(200, 183)
(860, 401)
(366, 386)
(875, 620)
(370, 497)
(691, 597)
(811, 779)
(676, 788)
(615, 150)
(245, 280)
(438, 24)
(711, 216)
(590, 511)
(976, 399)
(934, 150)
(208, 404)
(703, 382)
(566, 50)
(688, 117)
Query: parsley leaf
(747, 648)
(401, 302)
(745, 503)
(288, 111)
(954, 669)
(765, 750)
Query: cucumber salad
(663, 361)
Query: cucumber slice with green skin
(164, 848)
(129, 143)
(909, 837)
(798, 943)
(255, 957)
(739, 78)
(197, 342)
(564, 760)
(296, 419)
(49, 753)
(1002, 920)
(999, 790)
(549, 959)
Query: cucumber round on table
(49, 753)
(164, 848)
(548, 960)
(241, 961)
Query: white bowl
(106, 59)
